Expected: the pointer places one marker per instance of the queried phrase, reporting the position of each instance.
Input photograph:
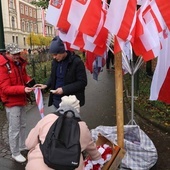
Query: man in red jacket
(14, 92)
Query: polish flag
(90, 58)
(39, 101)
(164, 8)
(73, 36)
(100, 38)
(57, 13)
(161, 79)
(85, 15)
(146, 42)
(94, 48)
(120, 23)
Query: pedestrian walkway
(6, 161)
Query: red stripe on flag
(79, 41)
(164, 8)
(165, 90)
(91, 18)
(126, 24)
(62, 22)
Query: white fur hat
(70, 100)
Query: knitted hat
(56, 46)
(70, 100)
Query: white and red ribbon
(39, 101)
(106, 154)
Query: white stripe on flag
(39, 101)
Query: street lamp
(2, 40)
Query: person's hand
(57, 91)
(28, 89)
(41, 86)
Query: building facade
(20, 18)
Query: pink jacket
(35, 158)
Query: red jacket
(12, 82)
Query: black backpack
(61, 149)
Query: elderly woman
(39, 132)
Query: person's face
(16, 57)
(59, 57)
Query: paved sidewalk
(6, 161)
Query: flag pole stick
(119, 99)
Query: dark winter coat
(75, 79)
(12, 82)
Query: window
(30, 10)
(11, 4)
(22, 9)
(35, 28)
(34, 14)
(16, 40)
(27, 27)
(31, 28)
(13, 22)
(24, 41)
(26, 10)
(23, 26)
(13, 39)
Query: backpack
(61, 149)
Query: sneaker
(19, 158)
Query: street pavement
(98, 110)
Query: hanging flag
(85, 15)
(90, 57)
(73, 37)
(39, 101)
(100, 38)
(120, 23)
(164, 8)
(146, 42)
(57, 13)
(161, 79)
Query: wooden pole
(119, 99)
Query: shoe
(19, 158)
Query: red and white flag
(146, 42)
(164, 8)
(161, 79)
(120, 23)
(39, 101)
(100, 38)
(57, 13)
(85, 15)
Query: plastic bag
(141, 153)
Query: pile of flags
(85, 25)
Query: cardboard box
(117, 155)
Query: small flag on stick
(39, 101)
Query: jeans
(16, 116)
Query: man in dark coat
(68, 74)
